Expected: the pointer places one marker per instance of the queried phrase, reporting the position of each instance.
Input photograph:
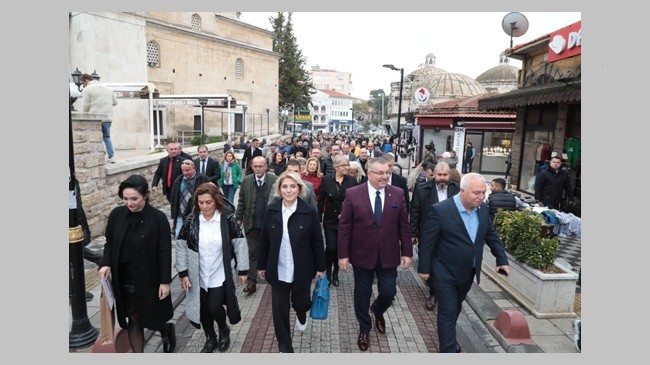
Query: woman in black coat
(290, 254)
(279, 163)
(330, 202)
(138, 259)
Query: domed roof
(426, 70)
(452, 85)
(441, 84)
(501, 73)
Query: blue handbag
(320, 299)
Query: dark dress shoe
(169, 341)
(89, 296)
(431, 303)
(458, 349)
(250, 289)
(363, 342)
(380, 324)
(210, 344)
(224, 339)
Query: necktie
(259, 183)
(378, 208)
(203, 167)
(169, 172)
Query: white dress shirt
(211, 272)
(442, 194)
(372, 194)
(285, 260)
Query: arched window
(323, 109)
(153, 54)
(239, 68)
(196, 22)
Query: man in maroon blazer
(375, 237)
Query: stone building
(179, 53)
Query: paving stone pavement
(410, 328)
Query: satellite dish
(515, 25)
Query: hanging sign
(421, 95)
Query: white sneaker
(112, 159)
(577, 324)
(301, 327)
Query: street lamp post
(381, 117)
(268, 120)
(229, 99)
(243, 119)
(203, 101)
(286, 111)
(82, 333)
(399, 105)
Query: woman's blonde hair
(360, 172)
(295, 177)
(318, 172)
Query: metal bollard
(82, 333)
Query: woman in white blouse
(290, 255)
(209, 248)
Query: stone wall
(99, 181)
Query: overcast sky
(360, 43)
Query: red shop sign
(565, 42)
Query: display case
(495, 151)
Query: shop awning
(557, 92)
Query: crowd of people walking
(307, 207)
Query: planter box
(544, 295)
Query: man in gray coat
(254, 193)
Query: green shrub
(196, 141)
(520, 231)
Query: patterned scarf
(187, 188)
(227, 167)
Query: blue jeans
(106, 134)
(229, 192)
(179, 225)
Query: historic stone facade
(179, 53)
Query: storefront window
(532, 159)
(441, 139)
(495, 150)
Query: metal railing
(187, 136)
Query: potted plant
(521, 233)
(537, 281)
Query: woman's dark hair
(215, 193)
(136, 182)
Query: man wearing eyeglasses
(375, 237)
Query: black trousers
(282, 296)
(450, 296)
(386, 286)
(253, 239)
(331, 257)
(211, 309)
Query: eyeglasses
(385, 173)
(347, 165)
